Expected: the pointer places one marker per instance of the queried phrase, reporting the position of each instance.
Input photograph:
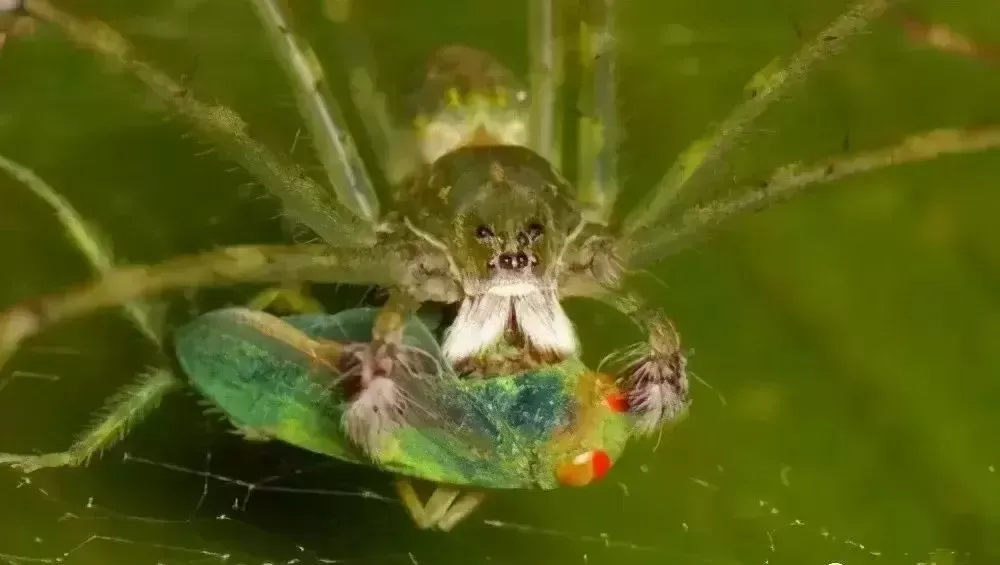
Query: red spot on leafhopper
(584, 469)
(616, 402)
(600, 462)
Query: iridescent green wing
(256, 369)
(263, 372)
(453, 436)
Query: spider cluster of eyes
(505, 259)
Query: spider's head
(504, 217)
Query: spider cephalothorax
(504, 218)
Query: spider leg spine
(310, 203)
(694, 166)
(122, 411)
(653, 244)
(323, 119)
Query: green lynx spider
(503, 196)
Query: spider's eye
(535, 230)
(484, 233)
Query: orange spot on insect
(584, 469)
(616, 402)
(601, 463)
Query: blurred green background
(852, 333)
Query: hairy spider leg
(696, 165)
(597, 179)
(335, 148)
(308, 202)
(652, 374)
(786, 181)
(133, 402)
(121, 411)
(383, 266)
(394, 151)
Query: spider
(481, 214)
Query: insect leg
(459, 510)
(694, 166)
(420, 512)
(445, 508)
(123, 410)
(333, 143)
(384, 266)
(597, 184)
(304, 199)
(545, 69)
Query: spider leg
(86, 239)
(387, 367)
(597, 183)
(445, 508)
(654, 244)
(394, 146)
(653, 373)
(123, 410)
(546, 53)
(333, 143)
(290, 297)
(694, 166)
(300, 195)
(385, 265)
(133, 402)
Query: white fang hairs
(483, 319)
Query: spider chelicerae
(481, 213)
